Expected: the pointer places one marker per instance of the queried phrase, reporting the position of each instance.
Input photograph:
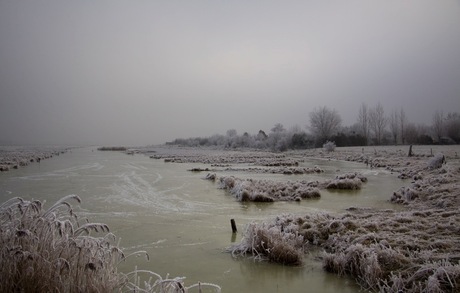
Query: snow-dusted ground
(13, 157)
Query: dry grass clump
(49, 250)
(268, 190)
(53, 251)
(350, 181)
(437, 161)
(271, 242)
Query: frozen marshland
(378, 220)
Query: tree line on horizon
(373, 127)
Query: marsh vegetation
(410, 245)
(53, 250)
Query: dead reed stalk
(51, 251)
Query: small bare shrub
(329, 146)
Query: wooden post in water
(234, 230)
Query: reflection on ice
(66, 172)
(136, 189)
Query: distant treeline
(113, 148)
(373, 127)
(276, 141)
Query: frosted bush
(437, 161)
(350, 181)
(329, 146)
(267, 241)
(268, 190)
(51, 251)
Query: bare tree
(438, 124)
(394, 125)
(323, 123)
(363, 121)
(278, 128)
(278, 138)
(378, 122)
(232, 133)
(402, 125)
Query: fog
(146, 72)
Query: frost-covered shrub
(267, 241)
(329, 146)
(404, 195)
(268, 190)
(309, 192)
(350, 184)
(48, 250)
(51, 251)
(437, 161)
(350, 181)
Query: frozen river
(183, 221)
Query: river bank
(14, 157)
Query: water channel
(183, 221)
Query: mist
(146, 72)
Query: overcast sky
(146, 72)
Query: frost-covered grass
(329, 146)
(413, 250)
(271, 241)
(270, 190)
(52, 250)
(15, 157)
(384, 251)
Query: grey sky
(143, 72)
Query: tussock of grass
(268, 190)
(48, 250)
(271, 242)
(350, 181)
(53, 251)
